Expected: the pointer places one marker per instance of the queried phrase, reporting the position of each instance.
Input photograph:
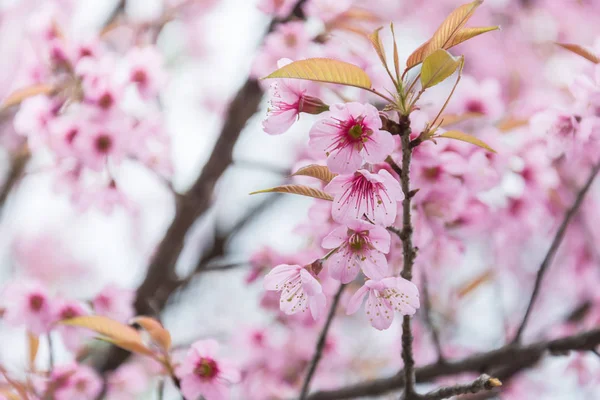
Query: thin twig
(50, 352)
(435, 335)
(484, 382)
(320, 344)
(596, 352)
(509, 356)
(553, 248)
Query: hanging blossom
(288, 99)
(365, 194)
(73, 381)
(359, 244)
(299, 289)
(350, 134)
(28, 304)
(202, 374)
(384, 297)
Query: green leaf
(298, 189)
(316, 171)
(396, 57)
(325, 70)
(458, 135)
(437, 67)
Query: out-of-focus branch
(435, 335)
(554, 247)
(510, 356)
(484, 382)
(161, 280)
(17, 166)
(320, 344)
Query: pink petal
(375, 265)
(345, 160)
(275, 279)
(310, 285)
(335, 238)
(356, 300)
(206, 348)
(379, 314)
(279, 122)
(380, 239)
(379, 145)
(343, 265)
(317, 305)
(191, 387)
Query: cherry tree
(428, 234)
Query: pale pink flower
(75, 382)
(100, 141)
(560, 129)
(72, 337)
(288, 99)
(277, 8)
(299, 289)
(350, 134)
(145, 70)
(115, 302)
(360, 244)
(385, 297)
(365, 194)
(33, 118)
(127, 382)
(202, 374)
(483, 97)
(29, 304)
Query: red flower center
(139, 76)
(103, 143)
(475, 106)
(106, 101)
(36, 302)
(68, 313)
(206, 368)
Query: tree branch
(508, 356)
(484, 382)
(320, 344)
(409, 254)
(553, 248)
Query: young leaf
(378, 46)
(451, 119)
(112, 331)
(325, 70)
(298, 189)
(396, 58)
(445, 33)
(16, 97)
(438, 66)
(465, 138)
(316, 171)
(159, 335)
(33, 346)
(470, 286)
(581, 51)
(468, 33)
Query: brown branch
(161, 280)
(484, 382)
(553, 248)
(508, 356)
(320, 344)
(435, 335)
(17, 167)
(409, 254)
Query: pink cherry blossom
(350, 134)
(360, 244)
(74, 381)
(114, 302)
(326, 10)
(203, 374)
(384, 297)
(128, 382)
(145, 70)
(28, 304)
(365, 194)
(299, 289)
(72, 337)
(289, 97)
(561, 130)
